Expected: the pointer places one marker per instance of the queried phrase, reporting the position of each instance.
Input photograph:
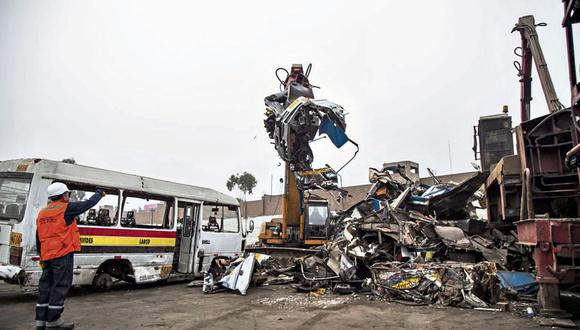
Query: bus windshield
(13, 196)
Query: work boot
(64, 326)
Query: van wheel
(102, 282)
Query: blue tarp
(335, 133)
(519, 281)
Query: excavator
(294, 118)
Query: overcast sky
(174, 89)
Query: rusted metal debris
(409, 242)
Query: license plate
(15, 239)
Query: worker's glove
(41, 263)
(103, 194)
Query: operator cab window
(104, 213)
(317, 215)
(220, 218)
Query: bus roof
(113, 179)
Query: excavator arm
(294, 119)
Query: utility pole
(449, 153)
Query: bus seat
(212, 224)
(103, 218)
(12, 210)
(92, 215)
(91, 218)
(131, 219)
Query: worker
(57, 239)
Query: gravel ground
(175, 306)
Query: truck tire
(102, 282)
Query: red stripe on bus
(126, 232)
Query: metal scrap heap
(407, 241)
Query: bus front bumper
(10, 273)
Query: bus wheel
(103, 282)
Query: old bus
(144, 230)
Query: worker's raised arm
(76, 208)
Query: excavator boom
(294, 119)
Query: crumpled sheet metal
(414, 247)
(402, 252)
(450, 205)
(453, 236)
(463, 285)
(9, 272)
(294, 118)
(239, 274)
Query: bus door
(220, 233)
(188, 215)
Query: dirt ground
(175, 306)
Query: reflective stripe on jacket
(56, 238)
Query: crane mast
(532, 52)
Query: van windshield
(13, 196)
(220, 218)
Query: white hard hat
(56, 189)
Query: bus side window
(230, 220)
(147, 212)
(220, 218)
(103, 214)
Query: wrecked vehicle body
(294, 119)
(299, 124)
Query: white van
(144, 230)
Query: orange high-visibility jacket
(56, 238)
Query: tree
(232, 182)
(246, 182)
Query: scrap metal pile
(405, 241)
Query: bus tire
(102, 282)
